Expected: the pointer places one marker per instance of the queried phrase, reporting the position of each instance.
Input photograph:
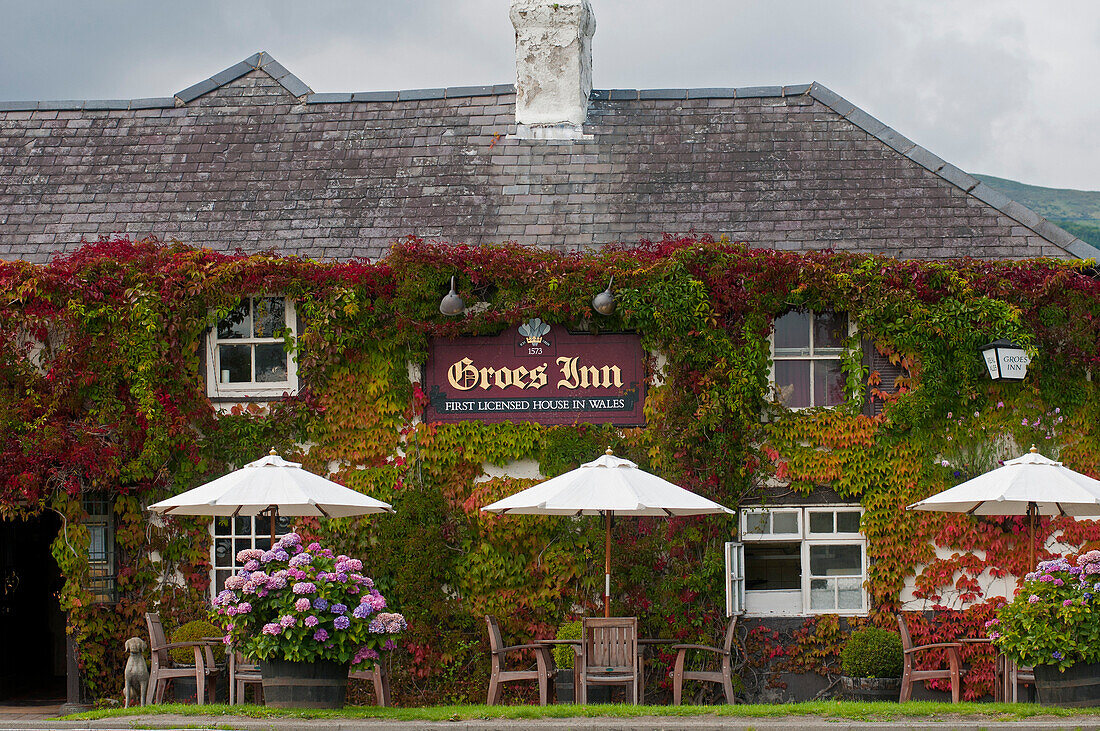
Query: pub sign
(539, 373)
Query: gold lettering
(518, 376)
(486, 374)
(538, 377)
(590, 372)
(462, 375)
(504, 378)
(568, 373)
(608, 380)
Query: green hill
(1077, 211)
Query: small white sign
(1013, 363)
(991, 363)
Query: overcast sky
(1004, 87)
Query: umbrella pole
(607, 565)
(1031, 510)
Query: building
(252, 160)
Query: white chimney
(553, 64)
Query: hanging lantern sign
(1005, 360)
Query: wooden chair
(609, 655)
(910, 674)
(241, 675)
(720, 676)
(499, 674)
(204, 671)
(381, 680)
(1009, 676)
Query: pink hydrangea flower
(1033, 598)
(302, 605)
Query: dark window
(101, 547)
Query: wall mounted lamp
(1005, 360)
(451, 304)
(604, 302)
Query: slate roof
(253, 159)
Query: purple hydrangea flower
(272, 628)
(267, 557)
(277, 582)
(302, 605)
(339, 609)
(342, 622)
(1067, 603)
(320, 635)
(252, 565)
(362, 611)
(305, 587)
(287, 620)
(281, 555)
(364, 653)
(1033, 599)
(311, 621)
(1056, 655)
(320, 604)
(244, 608)
(301, 559)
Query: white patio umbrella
(274, 486)
(607, 486)
(1030, 485)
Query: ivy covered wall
(101, 389)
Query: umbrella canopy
(271, 485)
(607, 486)
(1030, 485)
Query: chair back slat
(157, 639)
(610, 644)
(731, 632)
(903, 628)
(496, 641)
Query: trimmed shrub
(872, 653)
(193, 632)
(564, 654)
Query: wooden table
(643, 643)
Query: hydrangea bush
(1055, 617)
(303, 603)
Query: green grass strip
(861, 711)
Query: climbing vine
(101, 389)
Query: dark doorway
(32, 625)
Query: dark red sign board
(537, 373)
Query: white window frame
(237, 542)
(252, 389)
(812, 355)
(796, 602)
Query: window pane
(97, 543)
(236, 324)
(270, 363)
(792, 333)
(784, 522)
(773, 566)
(822, 595)
(270, 316)
(792, 377)
(847, 521)
(756, 523)
(828, 383)
(223, 552)
(242, 526)
(263, 526)
(221, 526)
(830, 330)
(282, 524)
(850, 593)
(263, 543)
(219, 580)
(821, 522)
(235, 362)
(836, 560)
(241, 544)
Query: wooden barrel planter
(321, 684)
(1077, 687)
(870, 689)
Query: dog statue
(136, 676)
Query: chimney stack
(553, 65)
